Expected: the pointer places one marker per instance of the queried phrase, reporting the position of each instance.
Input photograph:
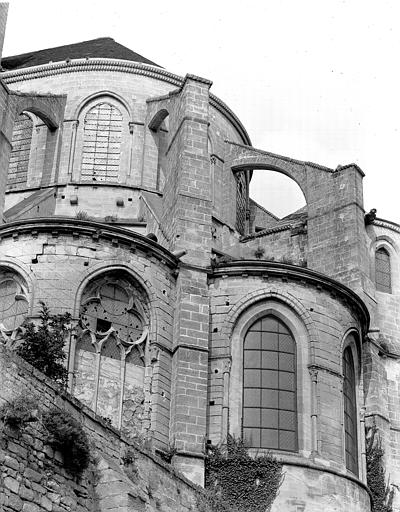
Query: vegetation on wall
(67, 436)
(64, 432)
(19, 411)
(382, 493)
(237, 482)
(43, 346)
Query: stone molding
(96, 230)
(123, 66)
(383, 223)
(257, 296)
(264, 232)
(267, 269)
(325, 469)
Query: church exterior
(197, 313)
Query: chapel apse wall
(141, 151)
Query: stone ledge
(68, 226)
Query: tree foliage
(43, 345)
(382, 494)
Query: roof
(103, 47)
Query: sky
(314, 80)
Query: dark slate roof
(103, 47)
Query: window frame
(380, 286)
(295, 324)
(78, 143)
(279, 389)
(351, 344)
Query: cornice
(386, 224)
(123, 66)
(96, 230)
(264, 232)
(285, 271)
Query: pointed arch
(383, 272)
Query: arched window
(109, 355)
(269, 386)
(13, 305)
(21, 148)
(350, 411)
(101, 143)
(241, 201)
(382, 271)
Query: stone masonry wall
(32, 476)
(327, 320)
(55, 265)
(315, 476)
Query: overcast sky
(314, 80)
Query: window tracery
(21, 147)
(110, 354)
(13, 306)
(102, 138)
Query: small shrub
(237, 482)
(82, 215)
(18, 412)
(67, 435)
(129, 457)
(259, 252)
(382, 495)
(168, 454)
(43, 346)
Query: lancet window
(269, 386)
(350, 411)
(383, 271)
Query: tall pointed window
(102, 143)
(21, 148)
(350, 411)
(109, 359)
(241, 201)
(382, 271)
(269, 386)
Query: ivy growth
(382, 494)
(67, 435)
(43, 346)
(237, 482)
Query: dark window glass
(241, 201)
(382, 271)
(269, 386)
(350, 411)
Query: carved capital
(313, 374)
(227, 364)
